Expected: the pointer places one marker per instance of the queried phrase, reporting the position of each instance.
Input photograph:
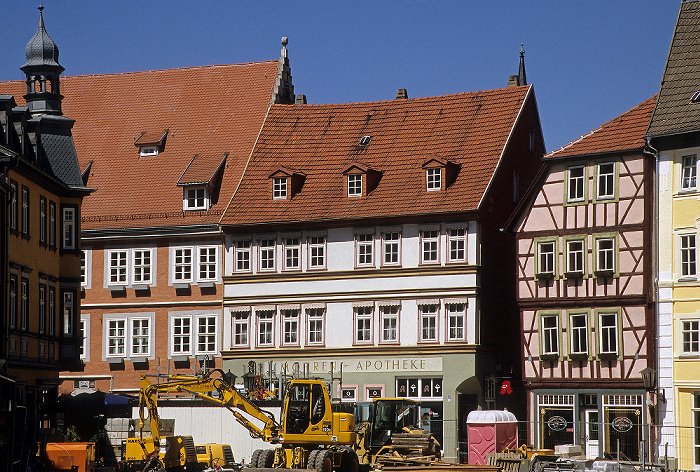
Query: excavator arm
(203, 387)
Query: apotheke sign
(362, 365)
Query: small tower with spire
(519, 79)
(42, 70)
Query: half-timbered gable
(584, 284)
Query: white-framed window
(433, 178)
(266, 252)
(68, 310)
(607, 325)
(457, 245)
(606, 181)
(243, 252)
(689, 172)
(315, 321)
(12, 311)
(688, 256)
(430, 244)
(690, 335)
(42, 219)
(84, 336)
(25, 210)
(195, 198)
(181, 337)
(317, 252)
(52, 223)
(117, 267)
(550, 334)
(52, 310)
(578, 327)
(546, 252)
(290, 326)
(206, 334)
(208, 262)
(428, 315)
(194, 264)
(389, 319)
(42, 307)
(696, 427)
(241, 328)
(391, 248)
(575, 256)
(24, 304)
(605, 254)
(348, 393)
(14, 206)
(69, 227)
(363, 324)
(292, 253)
(266, 328)
(364, 249)
(129, 336)
(86, 268)
(148, 151)
(182, 264)
(354, 185)
(576, 191)
(456, 321)
(142, 266)
(279, 188)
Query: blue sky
(589, 61)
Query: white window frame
(206, 334)
(86, 268)
(605, 250)
(575, 184)
(43, 305)
(695, 410)
(265, 318)
(148, 151)
(364, 324)
(267, 255)
(690, 336)
(85, 341)
(605, 181)
(280, 188)
(195, 198)
(608, 333)
(244, 251)
(429, 322)
(292, 253)
(201, 262)
(140, 330)
(546, 260)
(24, 303)
(52, 224)
(180, 266)
(689, 173)
(579, 254)
(52, 309)
(317, 251)
(430, 246)
(391, 248)
(389, 323)
(315, 326)
(131, 321)
(240, 328)
(456, 314)
(578, 335)
(117, 267)
(181, 331)
(355, 183)
(121, 333)
(687, 260)
(68, 309)
(433, 179)
(69, 224)
(290, 319)
(550, 335)
(207, 269)
(364, 250)
(142, 265)
(456, 244)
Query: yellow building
(674, 130)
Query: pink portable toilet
(490, 431)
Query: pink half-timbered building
(585, 291)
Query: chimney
(512, 80)
(301, 99)
(401, 93)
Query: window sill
(549, 357)
(181, 286)
(581, 356)
(545, 276)
(141, 287)
(116, 288)
(205, 284)
(573, 275)
(181, 358)
(608, 273)
(139, 360)
(688, 279)
(115, 360)
(607, 356)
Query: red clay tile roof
(674, 112)
(210, 111)
(626, 132)
(201, 170)
(469, 129)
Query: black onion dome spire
(41, 49)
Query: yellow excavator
(310, 434)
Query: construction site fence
(667, 448)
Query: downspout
(654, 154)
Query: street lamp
(649, 379)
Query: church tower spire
(521, 70)
(42, 70)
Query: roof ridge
(608, 123)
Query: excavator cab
(390, 417)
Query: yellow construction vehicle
(388, 434)
(310, 434)
(216, 456)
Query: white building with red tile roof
(366, 237)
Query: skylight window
(364, 140)
(148, 151)
(695, 98)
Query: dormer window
(196, 198)
(439, 173)
(433, 178)
(279, 188)
(147, 151)
(286, 183)
(354, 185)
(364, 140)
